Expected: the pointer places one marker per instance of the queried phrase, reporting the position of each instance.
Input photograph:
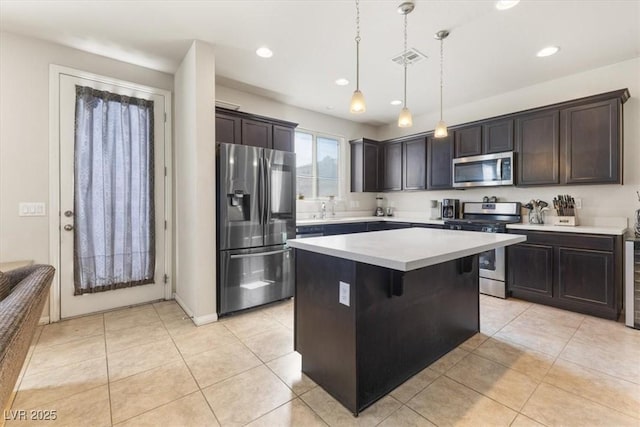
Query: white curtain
(114, 245)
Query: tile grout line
(106, 361)
(188, 368)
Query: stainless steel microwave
(483, 171)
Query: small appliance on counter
(450, 208)
(379, 209)
(436, 210)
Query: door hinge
(166, 278)
(165, 117)
(165, 225)
(165, 171)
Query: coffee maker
(450, 208)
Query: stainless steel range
(489, 218)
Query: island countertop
(406, 249)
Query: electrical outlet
(343, 298)
(578, 203)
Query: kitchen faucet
(323, 210)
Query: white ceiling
(488, 52)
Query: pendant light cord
(441, 73)
(358, 44)
(405, 60)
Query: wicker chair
(20, 312)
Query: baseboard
(200, 320)
(44, 320)
(203, 320)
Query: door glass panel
(488, 260)
(477, 171)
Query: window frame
(314, 160)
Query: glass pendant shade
(357, 102)
(441, 130)
(405, 120)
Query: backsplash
(601, 204)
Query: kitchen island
(373, 309)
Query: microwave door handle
(499, 167)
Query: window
(317, 160)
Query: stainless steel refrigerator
(256, 213)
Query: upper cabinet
(468, 141)
(365, 165)
(493, 136)
(572, 142)
(439, 155)
(591, 143)
(235, 127)
(414, 164)
(391, 162)
(538, 147)
(497, 136)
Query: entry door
(72, 303)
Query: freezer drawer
(252, 277)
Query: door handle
(259, 254)
(68, 227)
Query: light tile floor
(150, 366)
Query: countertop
(406, 249)
(587, 229)
(347, 220)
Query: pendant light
(357, 99)
(441, 127)
(405, 119)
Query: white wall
(24, 133)
(598, 200)
(313, 121)
(195, 183)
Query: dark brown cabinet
(257, 134)
(497, 136)
(365, 165)
(391, 172)
(468, 141)
(236, 127)
(577, 272)
(414, 164)
(591, 143)
(439, 157)
(228, 129)
(538, 148)
(283, 138)
(531, 269)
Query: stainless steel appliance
(632, 283)
(255, 217)
(489, 218)
(450, 208)
(481, 171)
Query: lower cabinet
(333, 229)
(378, 226)
(577, 272)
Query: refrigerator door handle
(261, 191)
(267, 189)
(260, 254)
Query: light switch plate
(344, 294)
(32, 209)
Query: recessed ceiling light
(396, 102)
(342, 82)
(264, 52)
(548, 51)
(506, 4)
